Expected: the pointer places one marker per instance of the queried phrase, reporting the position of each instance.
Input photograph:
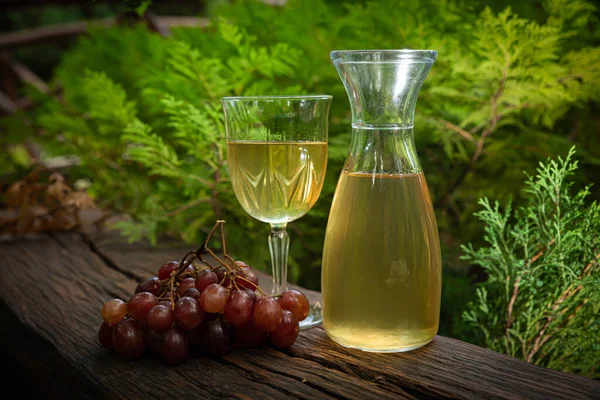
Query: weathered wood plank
(71, 282)
(54, 285)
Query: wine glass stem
(279, 244)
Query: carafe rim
(383, 56)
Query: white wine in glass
(277, 158)
(277, 182)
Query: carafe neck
(383, 85)
(382, 150)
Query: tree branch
(156, 25)
(7, 105)
(187, 206)
(489, 129)
(516, 285)
(540, 339)
(23, 73)
(455, 128)
(47, 33)
(589, 266)
(493, 121)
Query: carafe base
(400, 349)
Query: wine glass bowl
(277, 182)
(277, 158)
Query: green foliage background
(142, 113)
(541, 299)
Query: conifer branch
(556, 286)
(489, 129)
(455, 128)
(516, 285)
(186, 207)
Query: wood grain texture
(53, 287)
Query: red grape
(175, 346)
(215, 337)
(221, 271)
(188, 313)
(242, 264)
(206, 278)
(196, 334)
(213, 298)
(150, 285)
(154, 340)
(295, 302)
(113, 311)
(140, 304)
(238, 308)
(286, 333)
(128, 339)
(250, 280)
(160, 318)
(105, 336)
(267, 314)
(166, 303)
(193, 293)
(251, 293)
(186, 284)
(167, 269)
(248, 274)
(249, 335)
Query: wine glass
(277, 157)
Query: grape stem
(170, 282)
(223, 241)
(253, 284)
(169, 285)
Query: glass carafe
(381, 279)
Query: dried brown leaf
(41, 203)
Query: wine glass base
(314, 319)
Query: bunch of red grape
(211, 307)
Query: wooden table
(53, 286)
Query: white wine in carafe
(381, 264)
